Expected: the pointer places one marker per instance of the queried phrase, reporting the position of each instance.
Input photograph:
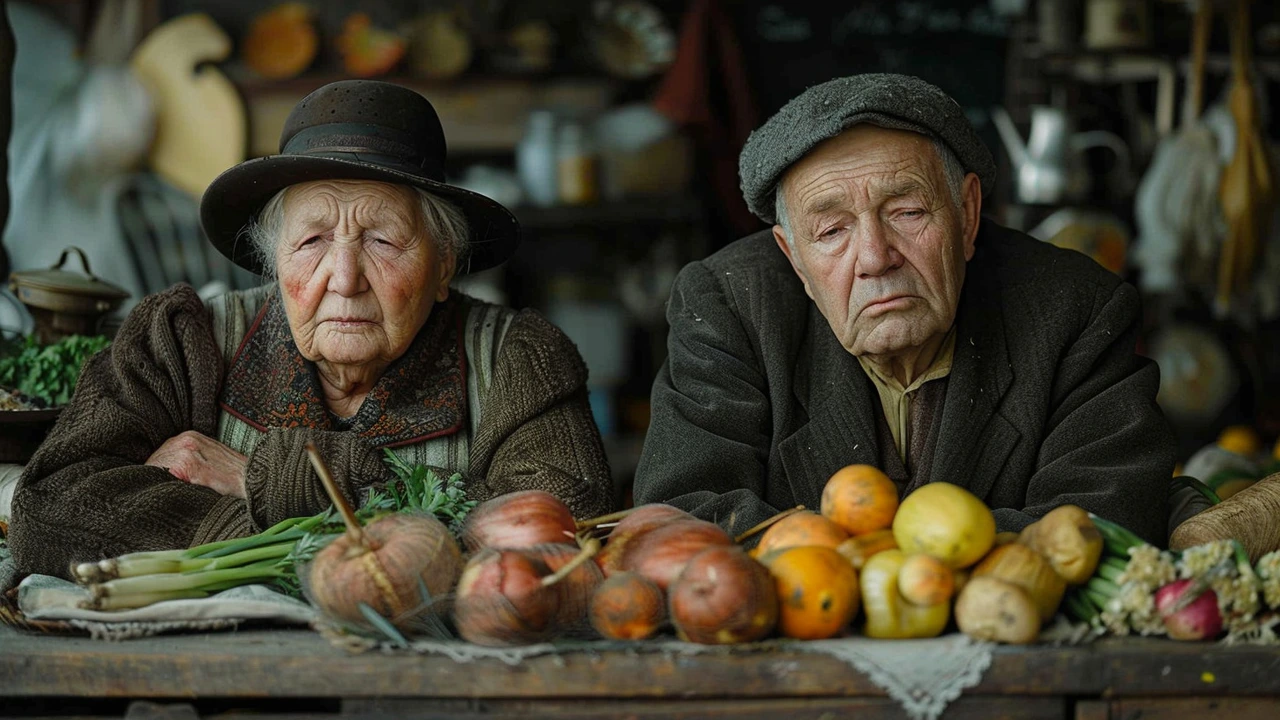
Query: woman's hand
(200, 460)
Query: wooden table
(298, 674)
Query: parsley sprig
(48, 372)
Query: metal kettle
(1049, 166)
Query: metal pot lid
(67, 282)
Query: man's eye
(309, 241)
(830, 232)
(911, 214)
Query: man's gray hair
(952, 170)
(445, 224)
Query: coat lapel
(974, 441)
(836, 395)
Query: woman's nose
(346, 274)
(876, 254)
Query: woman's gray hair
(444, 222)
(952, 170)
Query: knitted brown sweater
(86, 495)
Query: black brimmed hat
(898, 102)
(353, 130)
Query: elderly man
(883, 320)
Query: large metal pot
(63, 302)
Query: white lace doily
(924, 676)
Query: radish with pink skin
(1200, 620)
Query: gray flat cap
(899, 102)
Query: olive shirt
(896, 401)
(495, 394)
(1047, 403)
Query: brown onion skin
(723, 597)
(641, 520)
(573, 592)
(626, 606)
(406, 549)
(519, 519)
(501, 600)
(660, 554)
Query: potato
(991, 609)
(1068, 539)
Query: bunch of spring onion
(1190, 595)
(271, 556)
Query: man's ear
(780, 237)
(971, 209)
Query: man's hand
(201, 460)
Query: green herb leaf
(48, 372)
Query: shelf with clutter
(1151, 144)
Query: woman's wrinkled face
(357, 271)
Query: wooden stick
(590, 546)
(1201, 29)
(611, 517)
(354, 531)
(764, 525)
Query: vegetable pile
(47, 372)
(418, 558)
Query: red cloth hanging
(706, 92)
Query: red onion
(638, 521)
(386, 569)
(501, 599)
(723, 597)
(519, 520)
(661, 554)
(1200, 620)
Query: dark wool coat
(1047, 402)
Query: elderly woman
(192, 426)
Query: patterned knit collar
(421, 395)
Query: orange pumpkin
(817, 591)
(860, 499)
(368, 51)
(803, 528)
(281, 42)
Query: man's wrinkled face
(879, 241)
(358, 272)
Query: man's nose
(346, 274)
(876, 254)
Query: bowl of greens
(36, 380)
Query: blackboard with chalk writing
(958, 45)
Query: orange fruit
(861, 547)
(860, 499)
(803, 528)
(1240, 439)
(924, 580)
(817, 591)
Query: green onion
(271, 556)
(1078, 608)
(1204, 490)
(1118, 539)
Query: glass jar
(536, 159)
(576, 166)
